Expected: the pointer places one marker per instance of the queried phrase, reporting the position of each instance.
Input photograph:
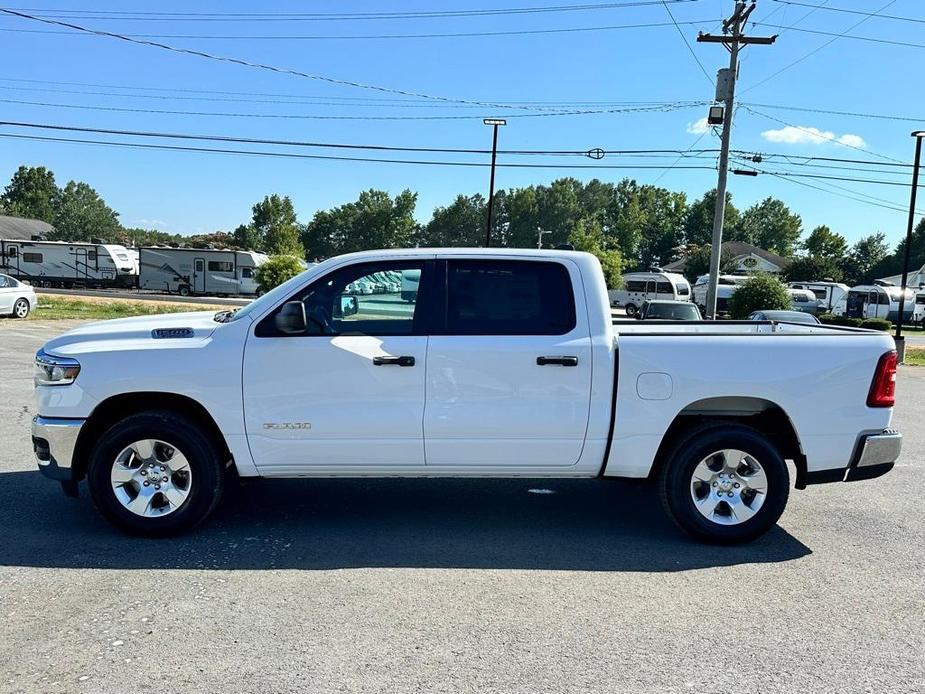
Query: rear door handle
(557, 361)
(393, 361)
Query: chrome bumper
(879, 449)
(53, 441)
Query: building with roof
(20, 228)
(748, 258)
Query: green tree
(865, 255)
(825, 243)
(275, 222)
(247, 237)
(82, 215)
(32, 193)
(276, 270)
(760, 292)
(812, 267)
(645, 222)
(770, 225)
(698, 225)
(461, 223)
(697, 261)
(892, 264)
(375, 220)
(588, 236)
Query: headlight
(54, 371)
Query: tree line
(628, 225)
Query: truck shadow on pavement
(583, 525)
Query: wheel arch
(118, 407)
(761, 414)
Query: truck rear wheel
(630, 309)
(725, 484)
(155, 473)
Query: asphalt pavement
(456, 585)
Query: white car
(505, 366)
(17, 298)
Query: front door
(509, 378)
(199, 276)
(349, 391)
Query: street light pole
(918, 135)
(494, 122)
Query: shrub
(832, 319)
(876, 324)
(277, 270)
(761, 292)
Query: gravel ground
(456, 586)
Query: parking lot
(456, 585)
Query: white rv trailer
(66, 264)
(828, 293)
(187, 271)
(876, 301)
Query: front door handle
(393, 361)
(557, 361)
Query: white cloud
(793, 135)
(151, 223)
(698, 127)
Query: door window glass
(509, 298)
(4, 282)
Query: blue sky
(193, 193)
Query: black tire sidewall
(677, 474)
(631, 309)
(205, 465)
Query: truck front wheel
(155, 473)
(725, 484)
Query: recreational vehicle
(918, 313)
(875, 301)
(187, 271)
(648, 286)
(725, 288)
(66, 264)
(828, 293)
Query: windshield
(269, 299)
(673, 312)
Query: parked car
(642, 286)
(668, 310)
(787, 316)
(17, 298)
(505, 367)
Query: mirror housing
(291, 318)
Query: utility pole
(494, 122)
(540, 233)
(733, 40)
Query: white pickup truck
(506, 363)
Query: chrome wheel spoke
(741, 511)
(757, 480)
(141, 504)
(703, 474)
(707, 505)
(177, 462)
(174, 496)
(146, 485)
(144, 449)
(122, 474)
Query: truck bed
(732, 327)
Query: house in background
(916, 278)
(748, 258)
(22, 229)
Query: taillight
(883, 387)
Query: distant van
(647, 286)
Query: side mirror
(291, 318)
(350, 305)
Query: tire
(183, 290)
(731, 510)
(21, 308)
(630, 309)
(189, 493)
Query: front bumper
(874, 456)
(53, 441)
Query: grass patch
(915, 356)
(56, 308)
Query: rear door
(509, 369)
(199, 275)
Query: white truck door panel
(489, 402)
(340, 395)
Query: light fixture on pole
(494, 122)
(919, 135)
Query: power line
(302, 116)
(295, 155)
(869, 39)
(847, 11)
(880, 116)
(366, 37)
(122, 15)
(818, 48)
(681, 156)
(687, 43)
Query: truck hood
(136, 333)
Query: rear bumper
(873, 457)
(53, 441)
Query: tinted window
(246, 273)
(220, 266)
(664, 288)
(673, 312)
(509, 298)
(12, 251)
(332, 306)
(32, 257)
(635, 286)
(91, 255)
(883, 300)
(683, 290)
